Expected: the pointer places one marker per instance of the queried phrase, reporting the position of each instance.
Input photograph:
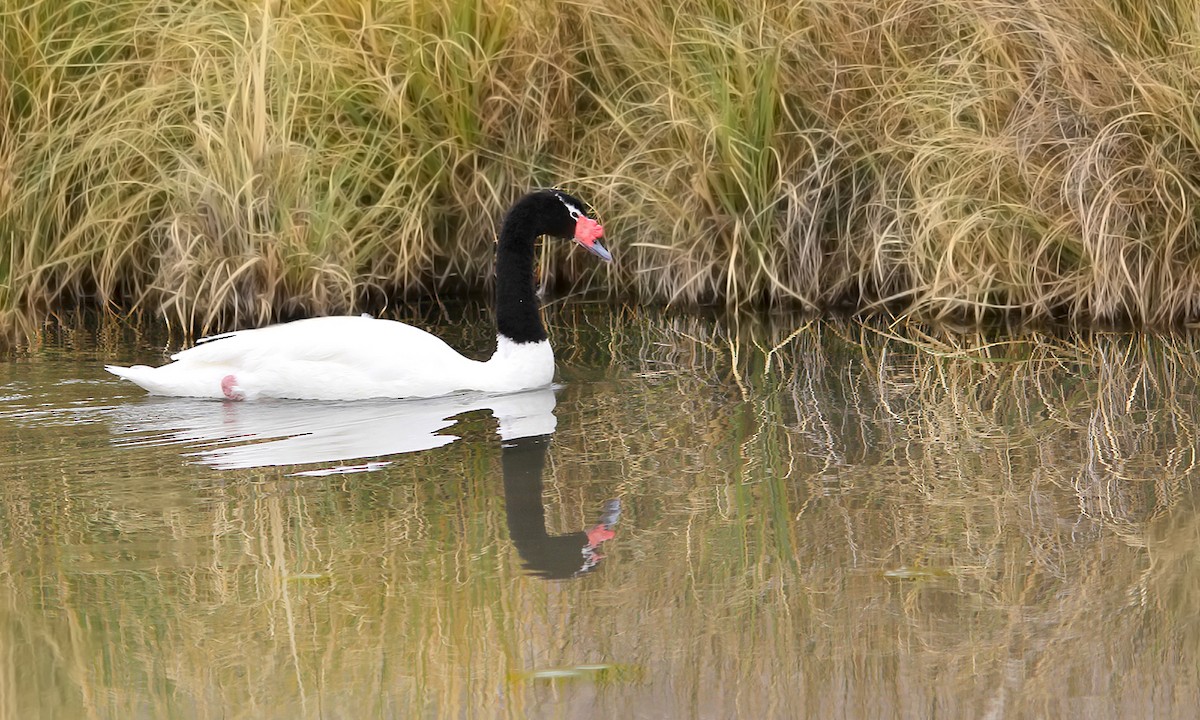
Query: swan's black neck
(518, 315)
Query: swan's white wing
(349, 339)
(319, 358)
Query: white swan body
(356, 358)
(340, 358)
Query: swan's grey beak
(588, 233)
(598, 250)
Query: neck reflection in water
(350, 437)
(553, 557)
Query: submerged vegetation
(223, 163)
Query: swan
(360, 357)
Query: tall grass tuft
(227, 162)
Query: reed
(223, 162)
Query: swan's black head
(541, 212)
(562, 215)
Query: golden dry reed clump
(223, 163)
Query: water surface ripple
(704, 518)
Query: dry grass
(222, 163)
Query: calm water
(815, 520)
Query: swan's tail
(184, 380)
(128, 373)
(139, 374)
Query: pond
(706, 517)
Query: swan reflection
(552, 557)
(231, 436)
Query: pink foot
(230, 388)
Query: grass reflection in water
(817, 519)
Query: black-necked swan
(354, 358)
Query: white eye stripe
(575, 212)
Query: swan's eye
(573, 211)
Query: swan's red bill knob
(587, 232)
